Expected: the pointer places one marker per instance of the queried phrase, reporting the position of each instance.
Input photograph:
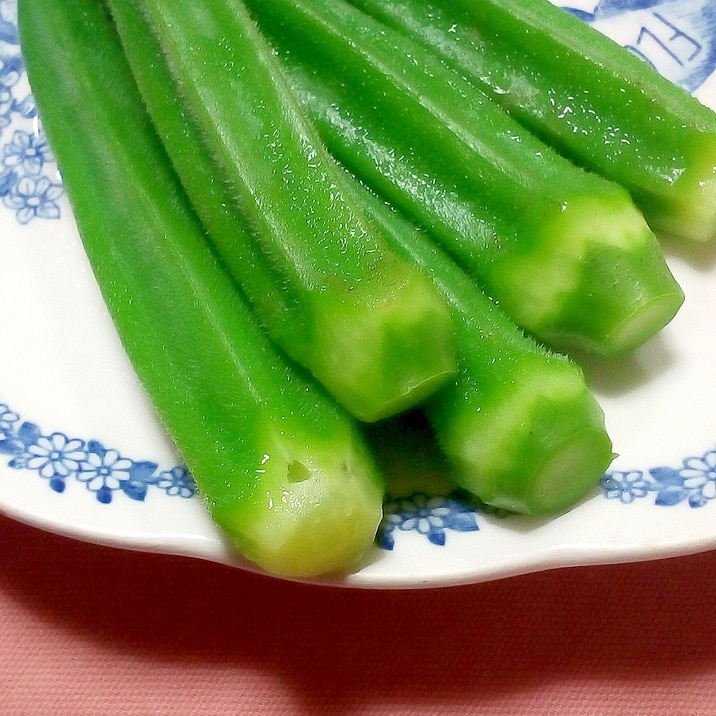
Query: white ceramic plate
(82, 454)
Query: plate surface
(82, 454)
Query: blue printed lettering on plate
(676, 37)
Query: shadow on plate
(618, 376)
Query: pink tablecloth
(91, 630)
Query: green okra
(518, 424)
(594, 101)
(318, 273)
(284, 471)
(565, 252)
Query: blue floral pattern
(30, 184)
(104, 472)
(694, 483)
(428, 515)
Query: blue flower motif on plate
(694, 483)
(30, 185)
(59, 458)
(55, 456)
(27, 152)
(428, 515)
(33, 197)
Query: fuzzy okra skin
(518, 424)
(564, 251)
(593, 100)
(318, 273)
(284, 471)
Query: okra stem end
(537, 451)
(599, 283)
(648, 298)
(317, 511)
(396, 355)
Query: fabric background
(88, 630)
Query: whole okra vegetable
(320, 276)
(518, 424)
(564, 251)
(593, 100)
(283, 469)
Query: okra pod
(518, 424)
(284, 471)
(594, 101)
(319, 275)
(564, 251)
